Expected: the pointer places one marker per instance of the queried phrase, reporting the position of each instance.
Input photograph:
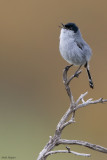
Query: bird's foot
(68, 67)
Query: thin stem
(65, 151)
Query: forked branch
(67, 119)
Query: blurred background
(32, 94)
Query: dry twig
(64, 122)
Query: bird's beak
(62, 25)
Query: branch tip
(102, 100)
(68, 148)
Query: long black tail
(89, 76)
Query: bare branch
(66, 120)
(62, 123)
(66, 85)
(83, 143)
(65, 151)
(81, 97)
(66, 81)
(67, 123)
(75, 75)
(89, 101)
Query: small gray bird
(74, 49)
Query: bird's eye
(68, 27)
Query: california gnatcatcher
(74, 49)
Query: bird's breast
(71, 52)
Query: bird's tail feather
(90, 79)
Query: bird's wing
(80, 45)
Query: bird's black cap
(70, 26)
